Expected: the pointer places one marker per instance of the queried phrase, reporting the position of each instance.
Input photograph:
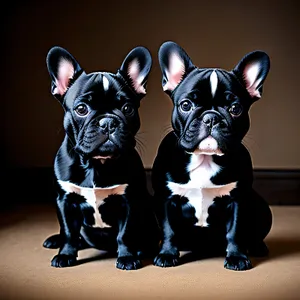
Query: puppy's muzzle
(212, 119)
(108, 125)
(103, 136)
(204, 133)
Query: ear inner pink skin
(252, 82)
(136, 77)
(174, 73)
(65, 73)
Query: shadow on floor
(278, 247)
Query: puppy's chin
(98, 155)
(103, 155)
(208, 146)
(208, 152)
(102, 159)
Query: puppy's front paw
(237, 263)
(166, 260)
(63, 260)
(128, 263)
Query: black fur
(238, 222)
(101, 121)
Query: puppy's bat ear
(63, 69)
(175, 64)
(136, 68)
(252, 70)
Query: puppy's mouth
(99, 152)
(208, 146)
(104, 140)
(102, 159)
(106, 151)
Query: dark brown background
(100, 33)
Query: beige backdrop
(100, 33)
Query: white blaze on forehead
(136, 77)
(174, 72)
(105, 83)
(251, 73)
(94, 196)
(64, 73)
(213, 83)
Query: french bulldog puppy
(102, 201)
(202, 174)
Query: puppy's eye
(81, 110)
(127, 109)
(236, 110)
(186, 106)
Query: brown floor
(25, 271)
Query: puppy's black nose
(108, 125)
(211, 119)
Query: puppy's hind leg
(55, 241)
(259, 227)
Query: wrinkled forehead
(207, 84)
(98, 85)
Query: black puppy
(202, 175)
(102, 198)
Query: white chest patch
(94, 196)
(200, 191)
